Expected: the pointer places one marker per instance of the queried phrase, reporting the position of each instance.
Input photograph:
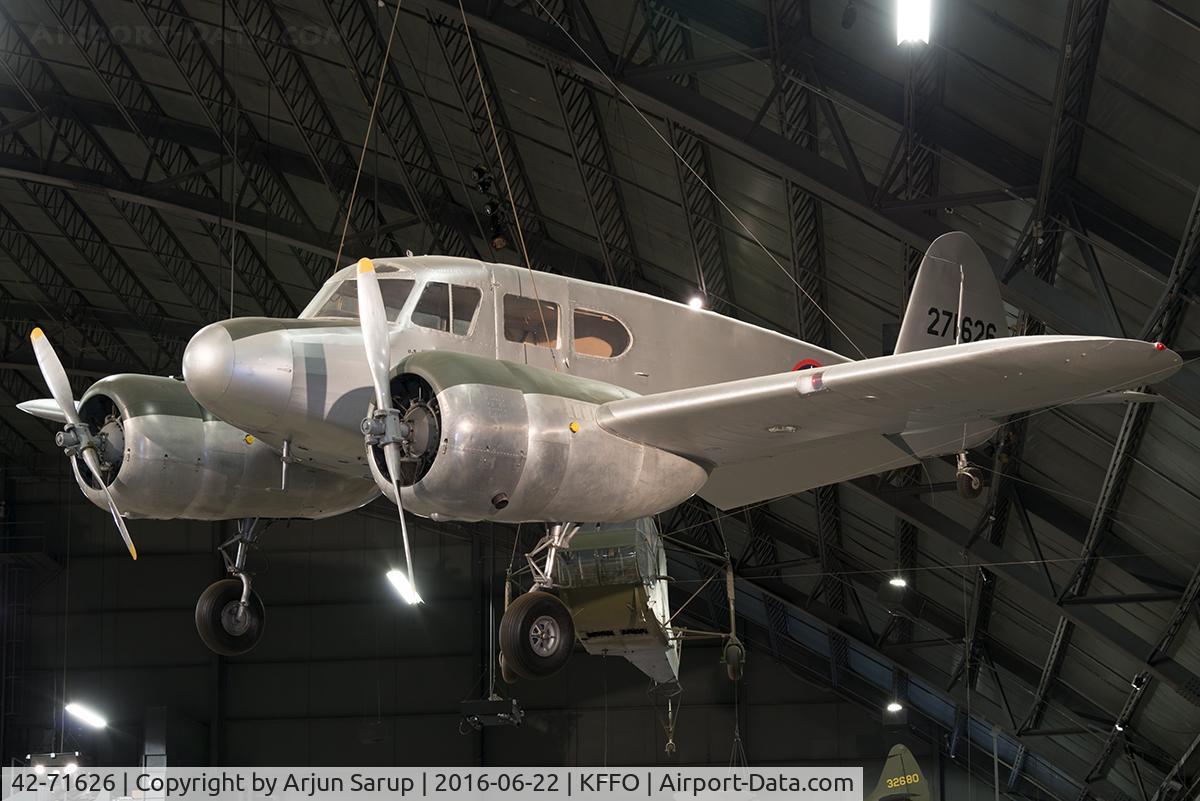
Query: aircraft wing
(779, 434)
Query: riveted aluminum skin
(178, 461)
(507, 442)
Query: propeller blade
(391, 454)
(93, 464)
(56, 379)
(373, 319)
(54, 375)
(45, 408)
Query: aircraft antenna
(679, 156)
(962, 283)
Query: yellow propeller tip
(365, 265)
(133, 552)
(35, 335)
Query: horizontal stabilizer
(1128, 396)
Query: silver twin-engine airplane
(491, 392)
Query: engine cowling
(164, 456)
(493, 440)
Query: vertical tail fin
(902, 778)
(953, 263)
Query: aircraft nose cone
(208, 364)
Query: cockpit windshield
(344, 300)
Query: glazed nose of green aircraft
(241, 370)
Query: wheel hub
(544, 636)
(235, 619)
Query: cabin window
(530, 322)
(464, 304)
(344, 300)
(447, 308)
(599, 334)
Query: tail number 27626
(942, 323)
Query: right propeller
(385, 426)
(76, 438)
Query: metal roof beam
(1163, 324)
(836, 627)
(1036, 598)
(796, 109)
(270, 38)
(670, 43)
(89, 32)
(484, 114)
(365, 45)
(593, 158)
(26, 68)
(210, 87)
(514, 29)
(63, 296)
(946, 129)
(1079, 55)
(868, 577)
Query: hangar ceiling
(166, 163)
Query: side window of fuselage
(445, 307)
(530, 322)
(600, 335)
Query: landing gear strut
(230, 616)
(968, 477)
(537, 632)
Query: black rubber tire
(515, 635)
(735, 660)
(506, 672)
(209, 609)
(970, 483)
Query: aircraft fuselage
(305, 380)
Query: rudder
(931, 318)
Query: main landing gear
(230, 616)
(537, 632)
(537, 635)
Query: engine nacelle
(493, 440)
(164, 456)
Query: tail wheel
(537, 635)
(970, 482)
(225, 626)
(735, 660)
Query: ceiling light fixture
(912, 20)
(404, 587)
(894, 707)
(86, 715)
(898, 581)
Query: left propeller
(76, 437)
